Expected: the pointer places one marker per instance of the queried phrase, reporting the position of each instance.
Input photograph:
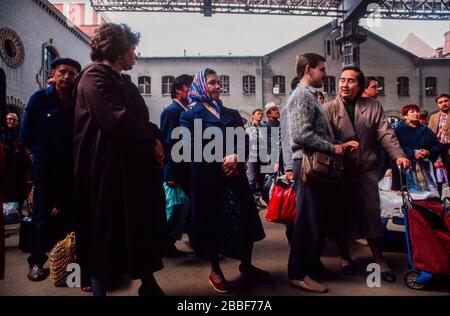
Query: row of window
(430, 86)
(402, 86)
(145, 84)
(279, 85)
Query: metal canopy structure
(347, 13)
(384, 9)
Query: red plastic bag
(281, 208)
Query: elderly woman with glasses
(224, 216)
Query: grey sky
(168, 34)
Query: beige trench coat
(360, 198)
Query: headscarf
(198, 92)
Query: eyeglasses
(10, 119)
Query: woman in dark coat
(2, 161)
(224, 217)
(16, 162)
(118, 156)
(417, 140)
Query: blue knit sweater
(421, 137)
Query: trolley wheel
(410, 280)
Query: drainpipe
(421, 88)
(262, 82)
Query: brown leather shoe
(308, 284)
(219, 283)
(37, 273)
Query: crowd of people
(102, 168)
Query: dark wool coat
(119, 195)
(173, 171)
(214, 229)
(14, 182)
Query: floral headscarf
(199, 92)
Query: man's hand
(229, 165)
(403, 162)
(158, 152)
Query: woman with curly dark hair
(118, 156)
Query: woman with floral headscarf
(224, 217)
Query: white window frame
(224, 84)
(279, 85)
(145, 87)
(249, 83)
(166, 86)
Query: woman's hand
(171, 184)
(418, 155)
(229, 165)
(351, 145)
(425, 153)
(421, 154)
(403, 162)
(158, 153)
(339, 150)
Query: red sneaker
(219, 283)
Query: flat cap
(66, 61)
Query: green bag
(174, 196)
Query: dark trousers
(177, 223)
(383, 163)
(2, 242)
(255, 178)
(53, 188)
(308, 237)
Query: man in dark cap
(47, 129)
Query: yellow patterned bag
(60, 256)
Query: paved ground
(189, 275)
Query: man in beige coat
(353, 117)
(440, 125)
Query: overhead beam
(388, 9)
